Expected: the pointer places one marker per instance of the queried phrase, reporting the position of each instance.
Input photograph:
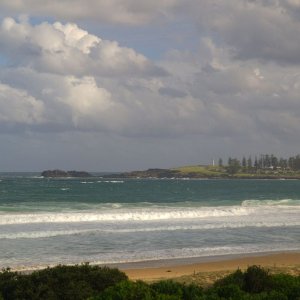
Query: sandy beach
(288, 262)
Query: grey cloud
(253, 30)
(132, 12)
(17, 106)
(171, 92)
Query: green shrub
(168, 287)
(256, 280)
(127, 290)
(95, 283)
(230, 291)
(236, 278)
(287, 284)
(61, 282)
(192, 292)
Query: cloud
(67, 49)
(18, 108)
(254, 30)
(130, 12)
(172, 92)
(264, 29)
(235, 83)
(230, 88)
(206, 94)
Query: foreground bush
(61, 282)
(128, 290)
(256, 283)
(95, 283)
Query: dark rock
(61, 173)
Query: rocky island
(63, 174)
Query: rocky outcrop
(150, 173)
(61, 174)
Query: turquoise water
(49, 221)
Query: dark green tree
(256, 166)
(249, 162)
(233, 166)
(220, 163)
(244, 162)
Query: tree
(291, 163)
(233, 166)
(297, 162)
(220, 163)
(267, 161)
(283, 163)
(274, 161)
(249, 163)
(244, 162)
(256, 163)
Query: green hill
(209, 171)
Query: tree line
(263, 161)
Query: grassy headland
(209, 171)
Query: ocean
(44, 222)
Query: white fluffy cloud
(17, 107)
(69, 50)
(85, 83)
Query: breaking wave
(282, 202)
(222, 225)
(125, 215)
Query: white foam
(155, 228)
(40, 234)
(146, 214)
(281, 202)
(184, 253)
(110, 181)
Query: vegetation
(95, 283)
(266, 166)
(264, 162)
(61, 282)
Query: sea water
(50, 221)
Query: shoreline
(281, 261)
(153, 270)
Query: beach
(286, 262)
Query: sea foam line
(50, 234)
(269, 202)
(150, 256)
(124, 215)
(151, 214)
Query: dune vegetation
(85, 282)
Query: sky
(116, 85)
